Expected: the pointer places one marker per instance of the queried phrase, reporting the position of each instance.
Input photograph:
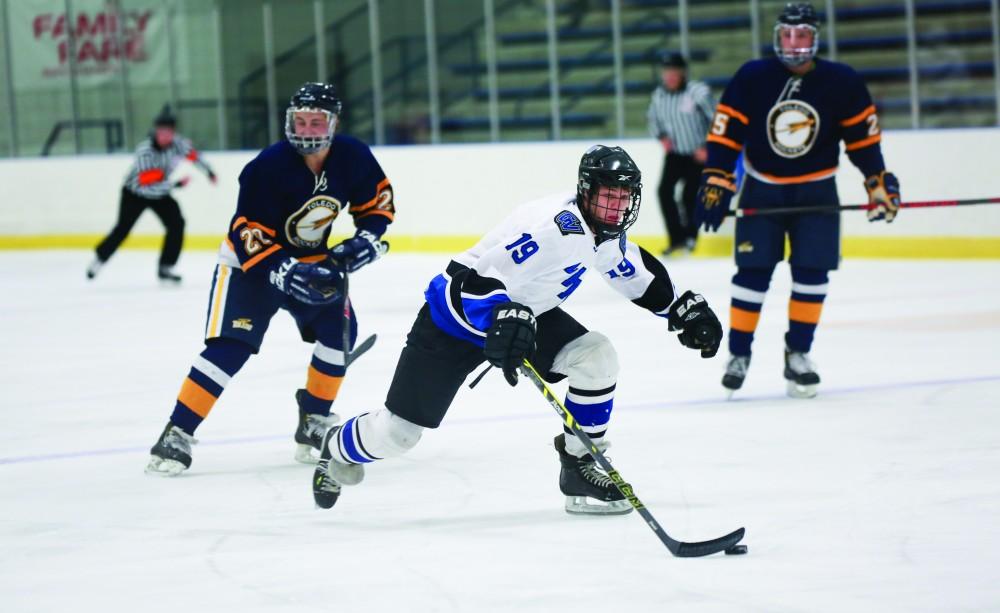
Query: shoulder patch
(568, 223)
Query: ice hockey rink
(882, 494)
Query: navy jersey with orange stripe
(789, 127)
(284, 209)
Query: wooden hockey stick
(836, 208)
(677, 548)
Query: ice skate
(309, 434)
(329, 475)
(801, 374)
(736, 372)
(580, 479)
(168, 276)
(94, 268)
(171, 455)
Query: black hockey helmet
(797, 15)
(609, 167)
(165, 119)
(313, 97)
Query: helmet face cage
(798, 55)
(604, 212)
(313, 98)
(312, 143)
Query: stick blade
(707, 548)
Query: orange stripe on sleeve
(722, 140)
(384, 183)
(321, 385)
(387, 214)
(804, 312)
(239, 222)
(743, 320)
(861, 144)
(728, 110)
(851, 121)
(260, 256)
(196, 398)
(153, 175)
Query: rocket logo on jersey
(792, 126)
(307, 226)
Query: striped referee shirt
(149, 176)
(683, 116)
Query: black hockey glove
(511, 338)
(700, 328)
(712, 201)
(313, 284)
(883, 196)
(364, 248)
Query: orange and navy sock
(326, 373)
(748, 291)
(209, 375)
(809, 287)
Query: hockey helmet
(317, 98)
(165, 119)
(609, 212)
(796, 15)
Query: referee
(679, 115)
(148, 185)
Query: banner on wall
(105, 39)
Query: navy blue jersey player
(275, 256)
(788, 115)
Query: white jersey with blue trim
(537, 256)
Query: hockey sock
(326, 373)
(809, 287)
(748, 291)
(368, 437)
(209, 375)
(592, 410)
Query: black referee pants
(679, 217)
(130, 207)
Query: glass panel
(955, 61)
(6, 91)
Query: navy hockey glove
(511, 338)
(883, 195)
(712, 202)
(364, 248)
(314, 284)
(700, 328)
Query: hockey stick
(836, 208)
(350, 356)
(677, 548)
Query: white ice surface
(882, 494)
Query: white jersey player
(500, 302)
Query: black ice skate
(329, 475)
(736, 372)
(94, 268)
(168, 276)
(580, 479)
(801, 374)
(171, 455)
(309, 434)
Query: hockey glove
(712, 202)
(511, 338)
(883, 196)
(700, 328)
(314, 284)
(364, 248)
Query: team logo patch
(792, 126)
(568, 223)
(744, 247)
(307, 227)
(243, 323)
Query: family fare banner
(107, 39)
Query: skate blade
(801, 391)
(581, 505)
(729, 393)
(305, 454)
(164, 468)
